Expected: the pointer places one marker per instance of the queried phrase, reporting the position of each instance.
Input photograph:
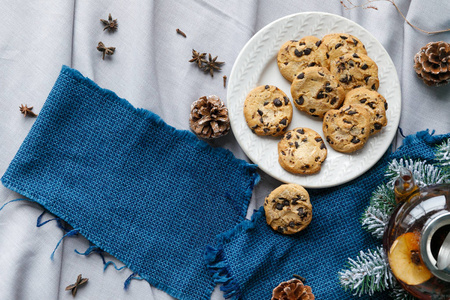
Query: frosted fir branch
(367, 274)
(398, 293)
(423, 173)
(377, 214)
(375, 220)
(443, 155)
(383, 198)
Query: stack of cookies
(332, 79)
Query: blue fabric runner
(252, 259)
(149, 194)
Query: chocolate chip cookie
(288, 209)
(335, 45)
(374, 102)
(315, 91)
(355, 70)
(294, 56)
(348, 128)
(301, 151)
(267, 110)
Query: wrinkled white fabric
(150, 68)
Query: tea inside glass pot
(417, 238)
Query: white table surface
(150, 68)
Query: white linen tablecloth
(150, 68)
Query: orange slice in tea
(405, 260)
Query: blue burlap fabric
(149, 194)
(252, 259)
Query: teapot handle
(443, 260)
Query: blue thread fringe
(134, 275)
(217, 264)
(96, 249)
(59, 222)
(421, 135)
(15, 200)
(221, 273)
(70, 233)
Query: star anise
(27, 111)
(212, 65)
(106, 50)
(110, 24)
(74, 287)
(198, 58)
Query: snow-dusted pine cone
(432, 63)
(293, 289)
(209, 117)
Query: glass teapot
(417, 238)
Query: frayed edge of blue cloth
(216, 261)
(425, 136)
(96, 249)
(220, 271)
(127, 282)
(15, 200)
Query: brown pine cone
(209, 117)
(432, 63)
(292, 290)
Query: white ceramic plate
(257, 65)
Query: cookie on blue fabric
(288, 209)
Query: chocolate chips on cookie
(315, 91)
(374, 102)
(267, 110)
(294, 56)
(355, 70)
(335, 45)
(347, 129)
(288, 209)
(301, 151)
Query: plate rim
(260, 33)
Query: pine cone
(432, 63)
(209, 117)
(292, 290)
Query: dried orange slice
(405, 260)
